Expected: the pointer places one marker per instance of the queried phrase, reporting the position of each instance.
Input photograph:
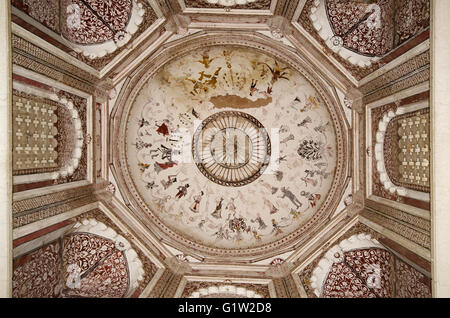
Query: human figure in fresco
(206, 61)
(163, 166)
(201, 224)
(256, 235)
(277, 72)
(272, 208)
(287, 193)
(260, 222)
(253, 88)
(166, 153)
(222, 234)
(196, 204)
(276, 228)
(268, 187)
(309, 181)
(218, 211)
(163, 129)
(151, 185)
(313, 198)
(170, 180)
(231, 206)
(182, 191)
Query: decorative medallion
(231, 148)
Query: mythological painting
(231, 147)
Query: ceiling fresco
(221, 148)
(231, 148)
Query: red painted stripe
(30, 186)
(39, 233)
(407, 46)
(19, 78)
(39, 33)
(416, 259)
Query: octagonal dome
(226, 149)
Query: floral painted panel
(364, 28)
(93, 267)
(411, 283)
(362, 273)
(93, 21)
(231, 148)
(38, 274)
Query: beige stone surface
(5, 155)
(441, 147)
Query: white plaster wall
(440, 112)
(5, 154)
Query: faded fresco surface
(269, 126)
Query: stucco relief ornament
(337, 41)
(348, 102)
(97, 28)
(73, 16)
(181, 258)
(121, 38)
(88, 139)
(277, 262)
(74, 278)
(111, 188)
(374, 19)
(348, 200)
(277, 34)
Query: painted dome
(230, 148)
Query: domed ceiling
(229, 148)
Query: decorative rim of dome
(180, 48)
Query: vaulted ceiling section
(221, 148)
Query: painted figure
(182, 191)
(260, 222)
(218, 211)
(170, 180)
(231, 206)
(197, 200)
(163, 129)
(276, 228)
(253, 88)
(312, 198)
(287, 193)
(272, 208)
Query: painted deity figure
(231, 206)
(218, 211)
(182, 191)
(196, 203)
(272, 208)
(276, 228)
(287, 193)
(260, 222)
(170, 180)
